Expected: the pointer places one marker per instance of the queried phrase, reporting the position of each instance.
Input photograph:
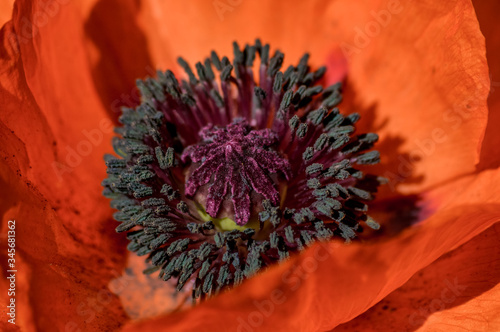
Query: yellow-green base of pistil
(227, 224)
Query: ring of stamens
(278, 151)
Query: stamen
(220, 175)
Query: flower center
(218, 177)
(234, 167)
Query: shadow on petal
(121, 54)
(486, 14)
(392, 209)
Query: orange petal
(118, 53)
(50, 104)
(458, 292)
(57, 271)
(428, 80)
(55, 132)
(333, 283)
(5, 11)
(193, 29)
(420, 72)
(486, 11)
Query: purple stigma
(235, 159)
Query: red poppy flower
(417, 72)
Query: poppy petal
(48, 261)
(201, 26)
(54, 129)
(485, 11)
(427, 80)
(421, 86)
(450, 294)
(6, 11)
(50, 104)
(117, 61)
(334, 283)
